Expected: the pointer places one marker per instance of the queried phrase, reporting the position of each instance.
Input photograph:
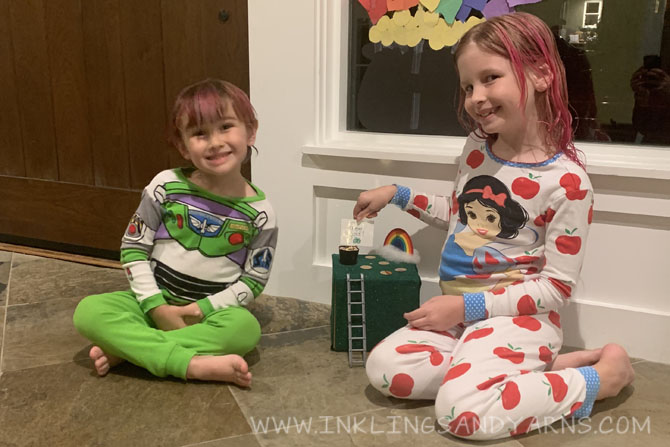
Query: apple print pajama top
(516, 235)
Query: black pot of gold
(348, 254)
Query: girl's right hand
(370, 202)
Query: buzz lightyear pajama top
(516, 236)
(185, 245)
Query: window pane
(397, 88)
(592, 7)
(614, 95)
(590, 20)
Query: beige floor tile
(41, 334)
(66, 405)
(36, 279)
(278, 314)
(297, 375)
(5, 265)
(233, 441)
(2, 329)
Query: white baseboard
(644, 333)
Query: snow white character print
(488, 220)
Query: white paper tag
(354, 233)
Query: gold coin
(401, 269)
(386, 272)
(371, 257)
(384, 263)
(366, 267)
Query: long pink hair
(204, 103)
(528, 43)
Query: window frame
(598, 14)
(331, 137)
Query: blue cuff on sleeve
(401, 197)
(592, 387)
(475, 306)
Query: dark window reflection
(616, 54)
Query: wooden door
(85, 90)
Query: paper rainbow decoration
(399, 239)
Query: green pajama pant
(115, 322)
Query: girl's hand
(370, 202)
(192, 314)
(168, 318)
(438, 313)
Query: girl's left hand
(438, 313)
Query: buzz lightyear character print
(489, 221)
(212, 227)
(200, 245)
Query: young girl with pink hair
(487, 349)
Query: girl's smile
(218, 157)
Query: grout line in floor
(232, 391)
(217, 439)
(4, 318)
(237, 402)
(295, 330)
(52, 300)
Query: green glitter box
(391, 289)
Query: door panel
(85, 91)
(33, 87)
(11, 158)
(144, 89)
(65, 46)
(106, 93)
(71, 214)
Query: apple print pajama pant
(488, 379)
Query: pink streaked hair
(204, 103)
(528, 43)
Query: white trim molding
(332, 138)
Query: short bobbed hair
(206, 102)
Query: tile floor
(49, 395)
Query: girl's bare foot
(224, 368)
(102, 361)
(576, 359)
(614, 369)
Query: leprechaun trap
(371, 294)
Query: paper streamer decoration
(375, 8)
(398, 5)
(513, 3)
(399, 239)
(496, 8)
(448, 9)
(440, 22)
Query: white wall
(312, 172)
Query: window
(592, 11)
(617, 61)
